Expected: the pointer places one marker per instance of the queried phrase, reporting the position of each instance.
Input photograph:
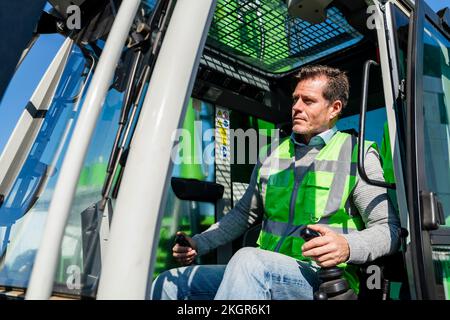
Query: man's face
(311, 112)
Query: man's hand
(328, 250)
(185, 255)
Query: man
(308, 179)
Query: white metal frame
(390, 87)
(135, 227)
(22, 138)
(42, 277)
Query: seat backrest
(393, 269)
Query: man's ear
(335, 109)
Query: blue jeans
(251, 274)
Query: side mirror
(444, 15)
(196, 190)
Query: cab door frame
(423, 236)
(391, 79)
(396, 123)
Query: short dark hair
(338, 87)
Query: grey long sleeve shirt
(380, 237)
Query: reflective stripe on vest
(322, 195)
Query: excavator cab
(149, 117)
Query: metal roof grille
(234, 72)
(262, 34)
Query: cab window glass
(375, 121)
(437, 115)
(22, 213)
(193, 158)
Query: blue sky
(33, 68)
(25, 81)
(437, 4)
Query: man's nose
(298, 106)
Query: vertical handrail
(362, 129)
(42, 277)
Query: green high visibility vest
(322, 196)
(386, 156)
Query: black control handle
(308, 234)
(182, 241)
(334, 286)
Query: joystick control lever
(334, 286)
